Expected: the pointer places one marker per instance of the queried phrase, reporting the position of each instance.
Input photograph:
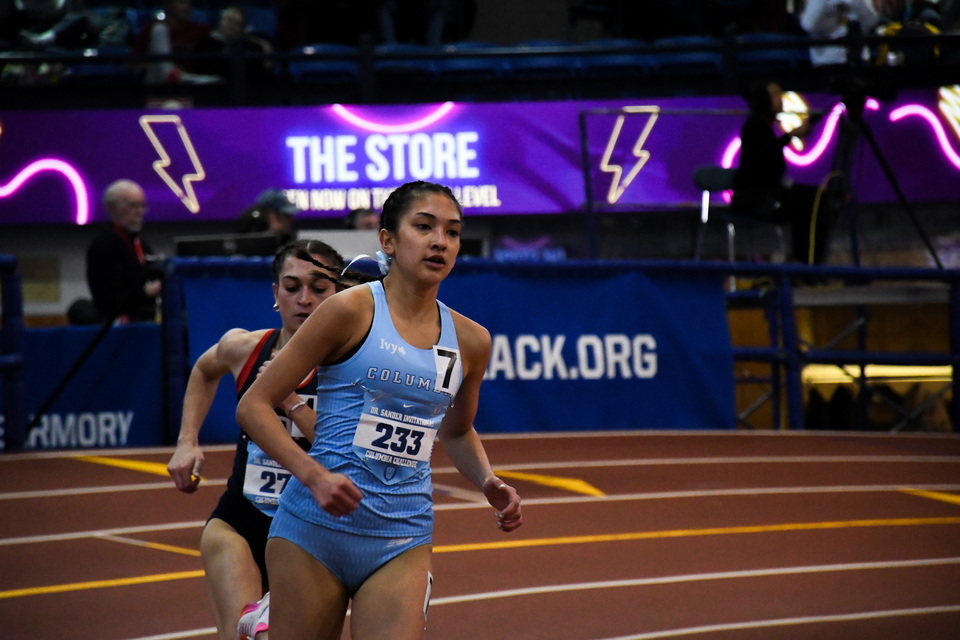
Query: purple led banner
(501, 158)
(648, 151)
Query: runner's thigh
(392, 603)
(306, 600)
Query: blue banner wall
(580, 347)
(575, 346)
(218, 299)
(115, 399)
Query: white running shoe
(254, 619)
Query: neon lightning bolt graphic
(642, 155)
(186, 195)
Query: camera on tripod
(854, 88)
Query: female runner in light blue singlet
(396, 370)
(234, 538)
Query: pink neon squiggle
(727, 162)
(814, 154)
(52, 164)
(731, 152)
(811, 156)
(935, 124)
(378, 127)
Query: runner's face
(299, 292)
(428, 237)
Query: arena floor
(636, 535)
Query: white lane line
(783, 622)
(193, 633)
(712, 493)
(673, 633)
(667, 495)
(80, 491)
(725, 433)
(699, 434)
(460, 494)
(652, 462)
(528, 466)
(696, 577)
(640, 582)
(99, 533)
(34, 454)
(576, 464)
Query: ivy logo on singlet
(389, 472)
(392, 348)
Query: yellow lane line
(568, 484)
(538, 542)
(685, 533)
(156, 468)
(153, 545)
(952, 498)
(100, 584)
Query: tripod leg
(854, 243)
(900, 196)
(841, 189)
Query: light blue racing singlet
(377, 418)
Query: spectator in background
(901, 11)
(273, 212)
(366, 219)
(830, 19)
(52, 27)
(949, 15)
(302, 22)
(908, 19)
(121, 272)
(174, 32)
(430, 22)
(232, 37)
(761, 186)
(48, 25)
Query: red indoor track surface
(634, 535)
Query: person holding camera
(831, 19)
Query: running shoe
(254, 619)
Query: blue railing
(788, 353)
(11, 352)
